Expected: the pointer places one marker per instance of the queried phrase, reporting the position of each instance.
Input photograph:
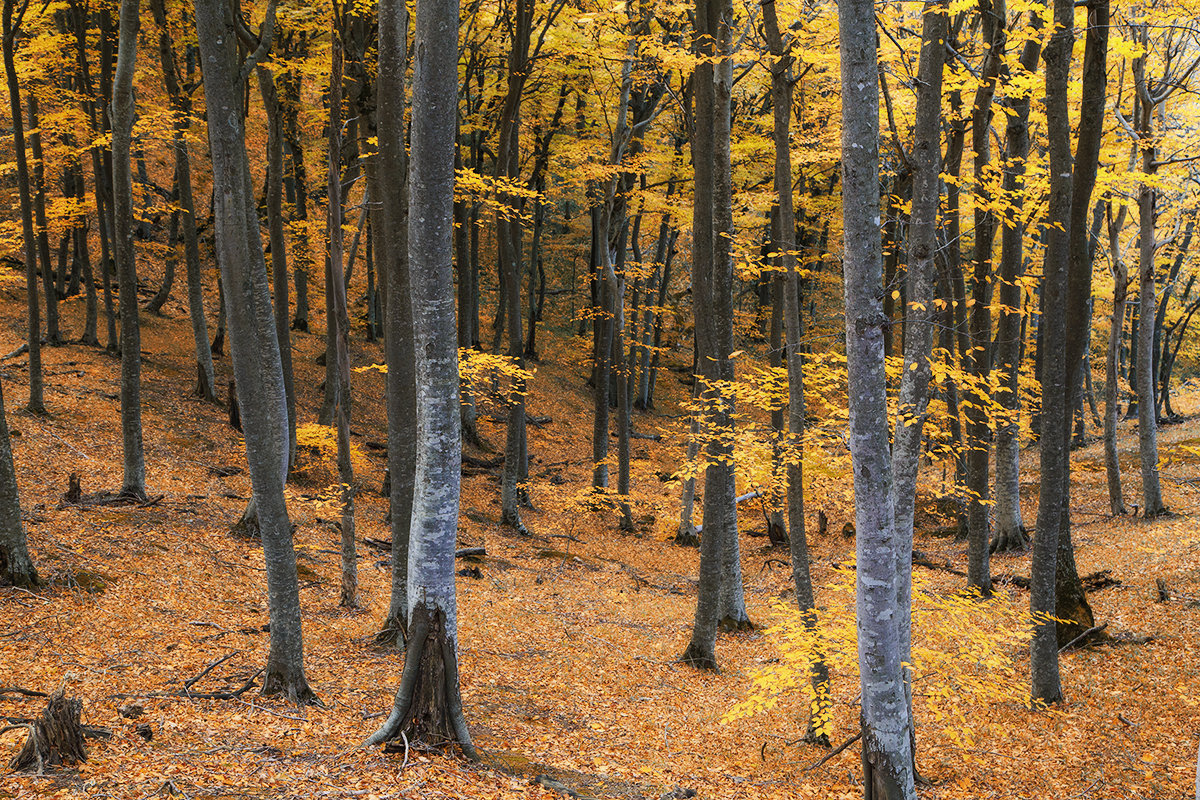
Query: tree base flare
(700, 657)
(427, 711)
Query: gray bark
(781, 101)
(1112, 464)
(1010, 526)
(1046, 685)
(392, 254)
(279, 268)
(428, 705)
(919, 316)
(11, 29)
(16, 566)
(720, 602)
(339, 330)
(886, 742)
(134, 482)
(253, 343)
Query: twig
(835, 751)
(404, 736)
(1083, 636)
(272, 711)
(188, 684)
(19, 690)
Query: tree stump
(56, 738)
(74, 490)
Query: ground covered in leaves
(569, 638)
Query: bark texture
(886, 741)
(253, 343)
(428, 706)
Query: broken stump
(55, 738)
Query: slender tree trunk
(254, 344)
(275, 223)
(338, 323)
(781, 101)
(393, 256)
(181, 105)
(36, 403)
(53, 336)
(919, 316)
(1112, 463)
(134, 484)
(1010, 526)
(977, 359)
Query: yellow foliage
(965, 653)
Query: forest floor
(569, 639)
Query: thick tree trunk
(254, 344)
(275, 222)
(16, 566)
(134, 483)
(1046, 686)
(428, 705)
(886, 741)
(721, 602)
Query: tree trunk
(886, 741)
(36, 403)
(339, 329)
(254, 344)
(16, 566)
(919, 319)
(720, 602)
(392, 253)
(181, 105)
(53, 336)
(781, 102)
(428, 705)
(1010, 526)
(1046, 686)
(978, 357)
(1112, 463)
(134, 483)
(275, 222)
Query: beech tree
(253, 341)
(428, 705)
(886, 736)
(134, 484)
(392, 254)
(16, 566)
(720, 601)
(12, 17)
(1047, 687)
